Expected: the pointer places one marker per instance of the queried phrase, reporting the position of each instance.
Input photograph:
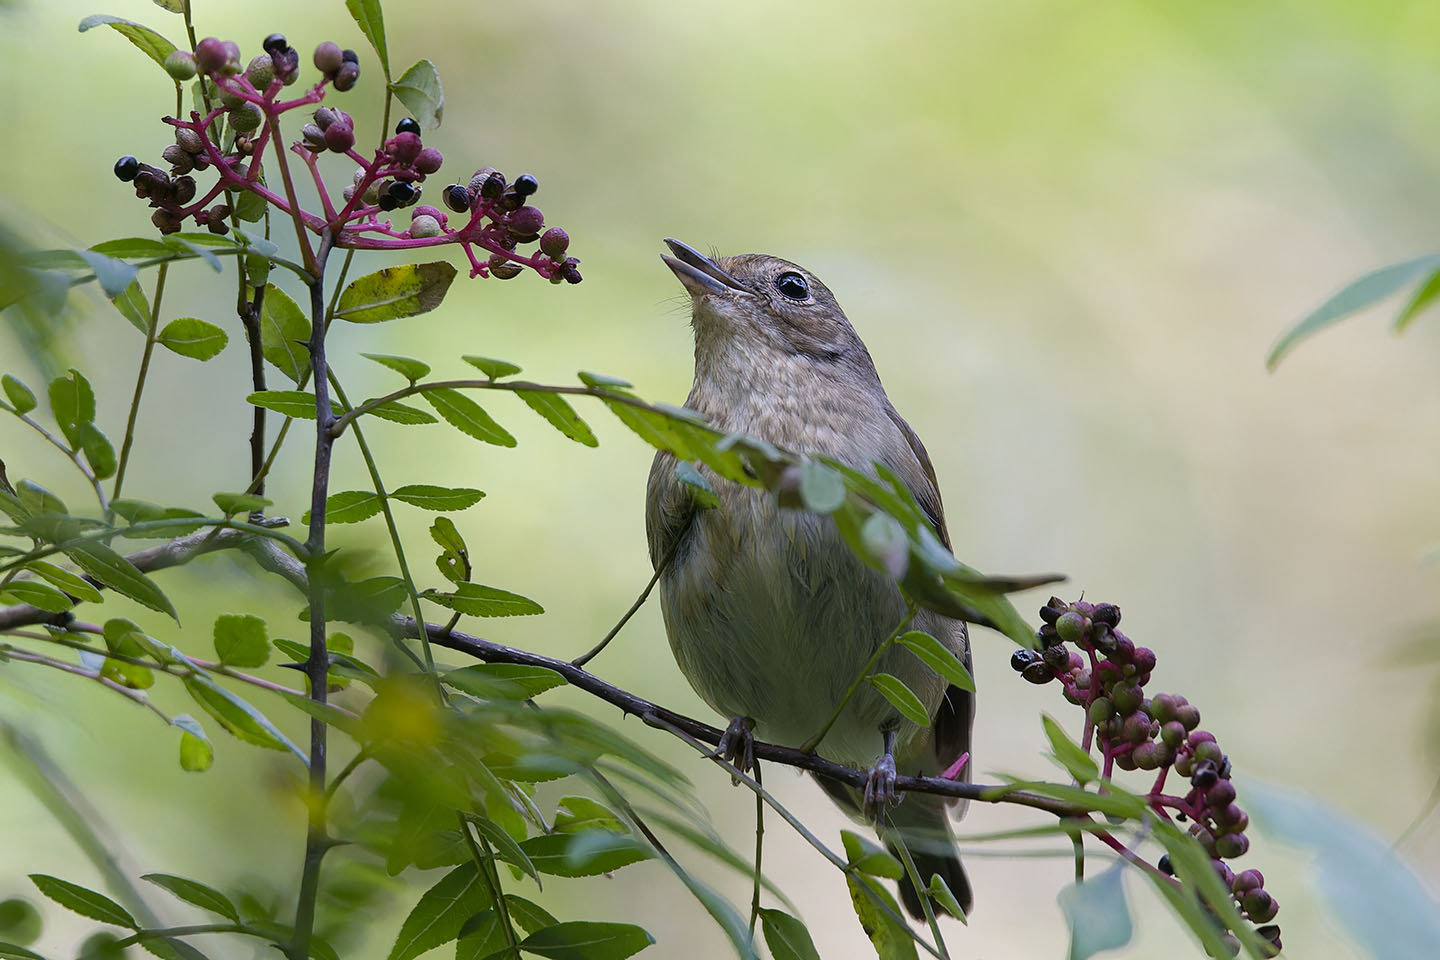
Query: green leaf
(1364, 292)
(182, 245)
(504, 681)
(196, 893)
(821, 489)
(37, 499)
(37, 594)
(939, 658)
(480, 937)
(482, 601)
(348, 506)
(242, 720)
(20, 920)
(901, 697)
(467, 416)
(441, 912)
(152, 44)
(284, 331)
(452, 561)
(117, 573)
(492, 368)
(420, 90)
(83, 901)
(113, 275)
(561, 415)
(193, 338)
(371, 19)
(574, 814)
(1097, 913)
(530, 915)
(99, 453)
(250, 206)
(72, 401)
(78, 587)
(588, 940)
(21, 398)
(196, 751)
(1422, 299)
(1080, 764)
(134, 306)
(505, 846)
(233, 503)
(701, 493)
(397, 412)
(939, 891)
(787, 938)
(132, 675)
(603, 381)
(411, 370)
(584, 854)
(407, 290)
(133, 248)
(431, 497)
(886, 543)
(173, 6)
(891, 940)
(241, 640)
(292, 403)
(868, 858)
(13, 951)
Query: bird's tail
(925, 831)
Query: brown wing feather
(928, 494)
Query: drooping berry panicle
(1107, 675)
(243, 118)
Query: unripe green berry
(180, 64)
(1232, 845)
(261, 71)
(1127, 697)
(1101, 710)
(1072, 627)
(1259, 906)
(1188, 715)
(245, 117)
(1172, 733)
(424, 226)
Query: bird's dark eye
(793, 286)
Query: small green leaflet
(193, 338)
(467, 416)
(392, 292)
(866, 857)
(20, 396)
(37, 594)
(78, 587)
(241, 640)
(72, 401)
(196, 750)
(1079, 763)
(441, 912)
(787, 938)
(371, 19)
(504, 681)
(561, 415)
(284, 332)
(938, 657)
(134, 306)
(482, 601)
(120, 575)
(891, 940)
(492, 368)
(583, 854)
(113, 275)
(408, 368)
(419, 88)
(587, 940)
(233, 503)
(196, 893)
(99, 453)
(431, 497)
(901, 697)
(237, 716)
(83, 901)
(348, 506)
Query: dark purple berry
(346, 76)
(1022, 658)
(525, 185)
(408, 125)
(1232, 845)
(126, 168)
(571, 270)
(210, 54)
(525, 221)
(404, 147)
(1038, 672)
(1106, 613)
(504, 269)
(1248, 880)
(328, 58)
(339, 137)
(457, 197)
(349, 56)
(386, 202)
(429, 160)
(1163, 865)
(1221, 794)
(274, 43)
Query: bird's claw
(737, 746)
(880, 792)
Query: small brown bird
(770, 615)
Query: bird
(770, 615)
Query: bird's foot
(737, 746)
(880, 792)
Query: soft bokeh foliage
(1068, 234)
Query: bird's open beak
(699, 273)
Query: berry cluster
(1106, 674)
(243, 119)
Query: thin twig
(590, 654)
(150, 339)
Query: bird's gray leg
(737, 745)
(880, 790)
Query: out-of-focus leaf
(419, 88)
(78, 587)
(37, 499)
(195, 892)
(890, 939)
(478, 600)
(441, 912)
(193, 338)
(113, 275)
(284, 331)
(1079, 763)
(233, 503)
(1422, 299)
(241, 640)
(1097, 913)
(411, 370)
(821, 488)
(887, 543)
(604, 381)
(196, 750)
(938, 657)
(583, 854)
(1354, 297)
(86, 902)
(152, 44)
(117, 573)
(37, 594)
(72, 401)
(407, 290)
(370, 17)
(573, 814)
(868, 858)
(431, 497)
(133, 675)
(787, 937)
(21, 397)
(561, 415)
(13, 951)
(901, 697)
(587, 940)
(480, 937)
(98, 451)
(701, 492)
(504, 681)
(939, 891)
(468, 417)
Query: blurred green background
(1068, 233)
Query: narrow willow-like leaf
(468, 417)
(370, 18)
(1354, 297)
(193, 338)
(432, 497)
(938, 657)
(478, 600)
(77, 586)
(152, 44)
(84, 901)
(292, 403)
(901, 697)
(587, 940)
(196, 893)
(1077, 762)
(408, 368)
(393, 292)
(419, 88)
(37, 594)
(504, 681)
(441, 912)
(505, 845)
(561, 415)
(120, 575)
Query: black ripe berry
(1021, 659)
(126, 168)
(525, 185)
(386, 202)
(401, 192)
(274, 43)
(408, 125)
(349, 56)
(457, 197)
